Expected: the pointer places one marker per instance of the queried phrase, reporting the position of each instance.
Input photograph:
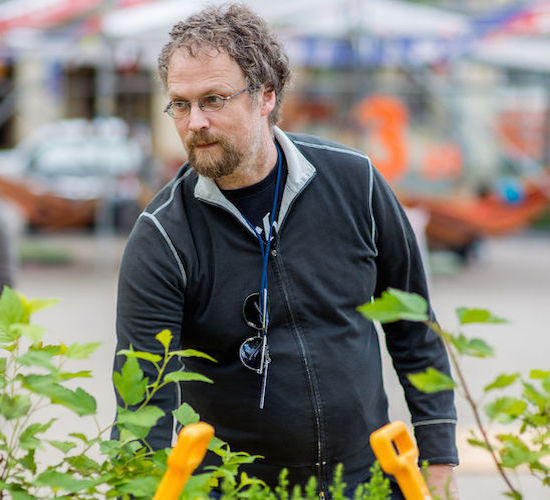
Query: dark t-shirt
(256, 202)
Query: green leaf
(73, 375)
(147, 356)
(164, 337)
(111, 448)
(130, 383)
(503, 380)
(14, 407)
(185, 415)
(478, 443)
(8, 335)
(539, 374)
(183, 376)
(79, 435)
(142, 417)
(11, 312)
(471, 347)
(188, 353)
(63, 446)
(431, 380)
(83, 463)
(28, 439)
(197, 484)
(28, 461)
(33, 305)
(394, 305)
(64, 481)
(78, 400)
(505, 409)
(37, 358)
(81, 351)
(216, 444)
(466, 316)
(140, 487)
(21, 495)
(534, 396)
(33, 332)
(3, 364)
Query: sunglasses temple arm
(265, 365)
(264, 311)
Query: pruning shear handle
(398, 455)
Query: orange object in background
(388, 118)
(184, 458)
(398, 455)
(442, 161)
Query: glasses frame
(169, 110)
(252, 301)
(261, 351)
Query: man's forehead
(214, 65)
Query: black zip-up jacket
(342, 238)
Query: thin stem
(473, 404)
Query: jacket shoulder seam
(169, 242)
(172, 193)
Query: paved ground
(511, 278)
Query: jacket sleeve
(413, 346)
(150, 299)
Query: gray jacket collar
(300, 172)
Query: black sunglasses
(254, 351)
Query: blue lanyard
(264, 248)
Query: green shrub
(34, 376)
(509, 451)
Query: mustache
(200, 137)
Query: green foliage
(528, 443)
(396, 305)
(431, 380)
(33, 376)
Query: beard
(213, 164)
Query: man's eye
(213, 99)
(180, 105)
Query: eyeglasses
(254, 351)
(211, 102)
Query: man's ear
(267, 100)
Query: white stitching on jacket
(170, 244)
(435, 421)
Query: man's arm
(150, 299)
(441, 481)
(412, 345)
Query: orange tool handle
(398, 455)
(184, 458)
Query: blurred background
(450, 99)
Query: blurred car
(81, 163)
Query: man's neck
(251, 172)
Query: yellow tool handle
(398, 455)
(184, 458)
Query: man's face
(217, 142)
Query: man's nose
(198, 118)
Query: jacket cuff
(436, 440)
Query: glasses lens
(251, 353)
(252, 312)
(212, 102)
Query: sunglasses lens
(251, 352)
(252, 311)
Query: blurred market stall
(451, 102)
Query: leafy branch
(533, 410)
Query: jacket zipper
(316, 406)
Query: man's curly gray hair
(241, 34)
